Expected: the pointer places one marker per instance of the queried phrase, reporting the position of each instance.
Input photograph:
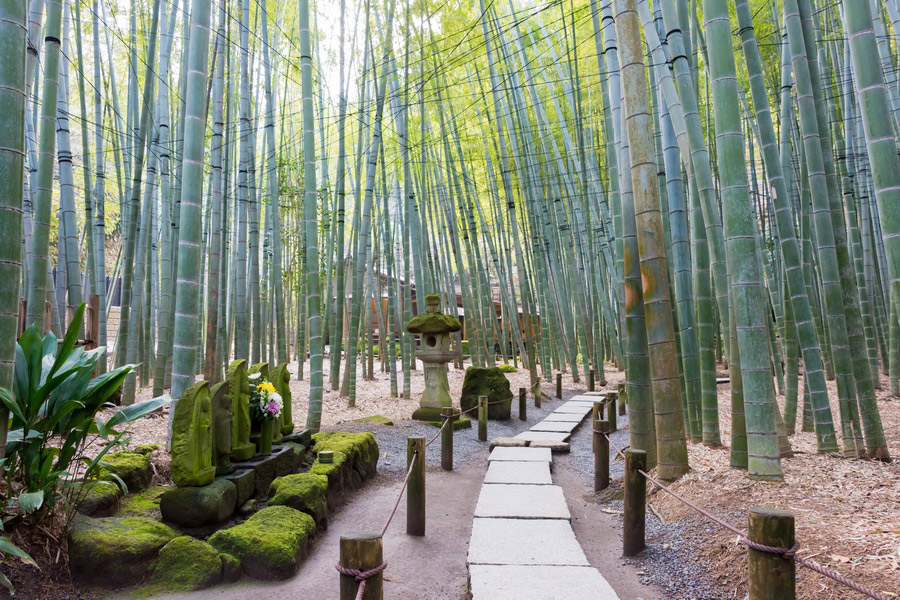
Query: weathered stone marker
(434, 329)
(280, 377)
(192, 443)
(239, 392)
(415, 488)
(222, 419)
(635, 502)
(772, 576)
(361, 550)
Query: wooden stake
(601, 456)
(591, 380)
(361, 550)
(635, 502)
(522, 407)
(559, 385)
(482, 418)
(415, 489)
(772, 576)
(611, 418)
(448, 413)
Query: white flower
(254, 376)
(276, 397)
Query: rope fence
(599, 429)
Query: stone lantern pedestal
(434, 329)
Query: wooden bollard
(601, 456)
(523, 410)
(596, 417)
(635, 502)
(772, 576)
(448, 413)
(591, 380)
(559, 386)
(415, 489)
(361, 550)
(482, 418)
(622, 395)
(611, 418)
(537, 395)
(620, 401)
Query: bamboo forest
(600, 297)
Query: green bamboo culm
(310, 195)
(671, 446)
(187, 302)
(12, 164)
(745, 278)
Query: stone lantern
(434, 329)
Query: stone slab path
(522, 543)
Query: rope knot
(358, 575)
(785, 552)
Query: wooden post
(635, 502)
(482, 418)
(415, 489)
(591, 380)
(523, 416)
(601, 456)
(559, 385)
(361, 550)
(622, 395)
(537, 395)
(772, 576)
(611, 417)
(448, 414)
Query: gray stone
(554, 446)
(578, 409)
(514, 582)
(593, 394)
(564, 417)
(245, 482)
(299, 437)
(522, 502)
(282, 461)
(100, 498)
(587, 398)
(199, 506)
(520, 454)
(536, 473)
(555, 426)
(507, 442)
(533, 436)
(548, 542)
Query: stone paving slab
(588, 399)
(578, 409)
(593, 394)
(544, 435)
(564, 417)
(522, 502)
(511, 582)
(555, 426)
(533, 473)
(521, 454)
(524, 542)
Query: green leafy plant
(54, 407)
(7, 549)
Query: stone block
(132, 468)
(547, 542)
(531, 473)
(507, 442)
(555, 426)
(554, 446)
(521, 454)
(186, 564)
(490, 382)
(522, 502)
(514, 582)
(199, 506)
(533, 436)
(98, 498)
(282, 461)
(244, 481)
(305, 492)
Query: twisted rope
(360, 576)
(745, 539)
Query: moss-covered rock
(355, 460)
(507, 368)
(305, 492)
(270, 544)
(457, 424)
(199, 506)
(375, 419)
(490, 382)
(98, 498)
(115, 551)
(143, 504)
(146, 449)
(245, 482)
(186, 564)
(132, 468)
(231, 568)
(434, 323)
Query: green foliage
(55, 397)
(507, 368)
(7, 548)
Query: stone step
(532, 436)
(555, 426)
(521, 454)
(564, 417)
(524, 542)
(538, 582)
(588, 398)
(532, 473)
(516, 501)
(577, 408)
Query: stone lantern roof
(433, 321)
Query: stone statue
(222, 428)
(281, 379)
(239, 392)
(434, 329)
(192, 443)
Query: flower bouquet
(265, 406)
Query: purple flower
(273, 408)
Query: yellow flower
(266, 387)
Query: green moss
(115, 551)
(490, 382)
(130, 467)
(186, 564)
(304, 492)
(507, 368)
(346, 445)
(433, 323)
(457, 424)
(269, 544)
(143, 504)
(376, 419)
(146, 449)
(98, 498)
